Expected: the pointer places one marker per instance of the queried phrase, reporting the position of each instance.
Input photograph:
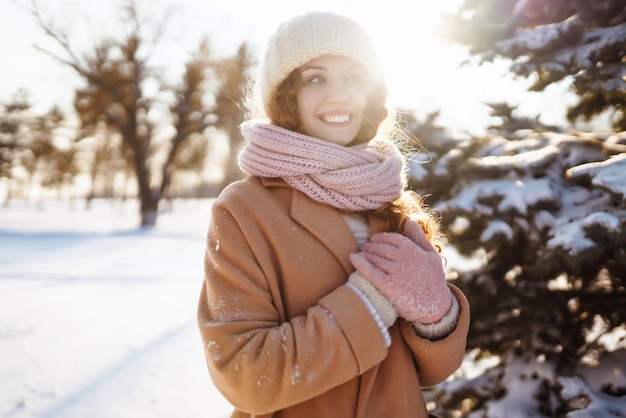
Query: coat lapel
(326, 224)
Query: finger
(390, 238)
(382, 250)
(401, 249)
(415, 233)
(385, 265)
(365, 267)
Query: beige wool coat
(283, 334)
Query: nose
(337, 93)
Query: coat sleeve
(258, 359)
(437, 360)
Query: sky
(422, 69)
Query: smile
(337, 118)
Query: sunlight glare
(424, 72)
(408, 40)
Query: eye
(355, 79)
(315, 79)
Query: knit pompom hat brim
(312, 35)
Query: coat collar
(325, 223)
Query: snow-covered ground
(97, 317)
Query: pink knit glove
(408, 271)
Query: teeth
(337, 118)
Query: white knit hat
(312, 35)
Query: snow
(497, 228)
(523, 381)
(539, 38)
(506, 195)
(607, 175)
(593, 404)
(570, 238)
(99, 316)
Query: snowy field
(97, 317)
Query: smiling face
(332, 98)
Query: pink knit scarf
(347, 178)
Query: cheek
(359, 99)
(304, 102)
(301, 113)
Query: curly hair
(283, 111)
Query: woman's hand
(408, 270)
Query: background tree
(581, 42)
(116, 75)
(49, 164)
(32, 149)
(233, 75)
(192, 115)
(544, 213)
(11, 121)
(105, 160)
(509, 123)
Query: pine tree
(545, 214)
(550, 41)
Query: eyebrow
(322, 68)
(315, 67)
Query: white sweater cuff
(440, 330)
(384, 308)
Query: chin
(340, 139)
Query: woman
(323, 295)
